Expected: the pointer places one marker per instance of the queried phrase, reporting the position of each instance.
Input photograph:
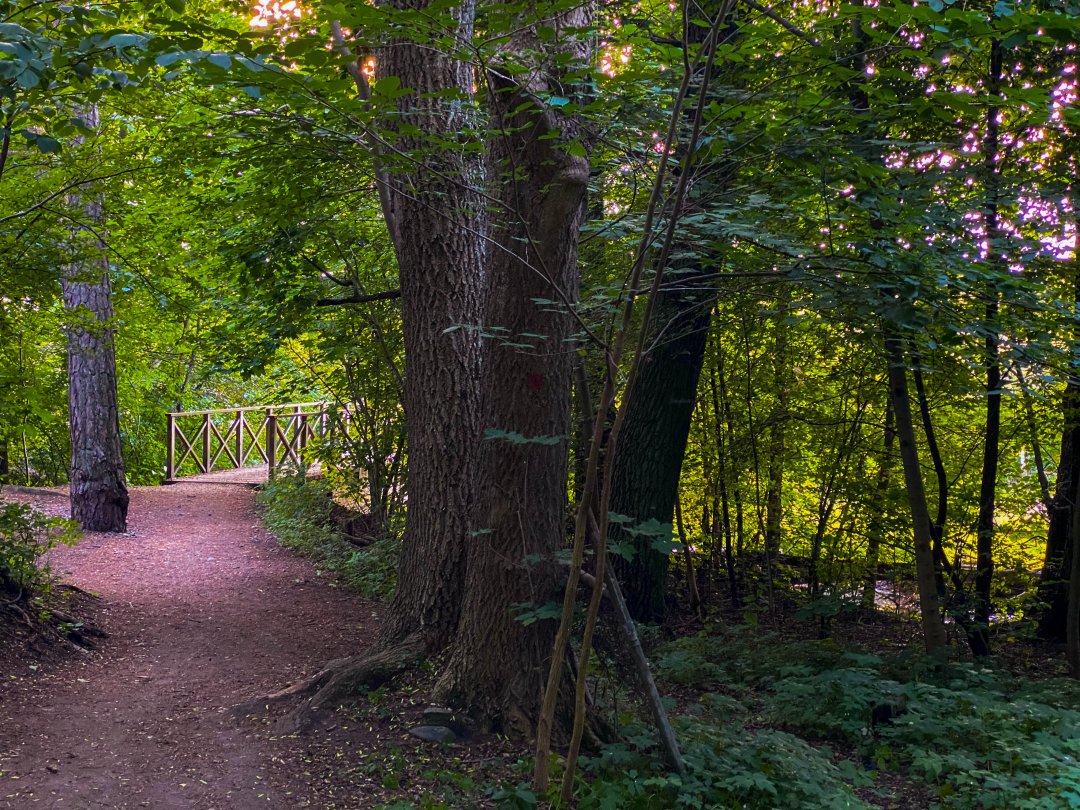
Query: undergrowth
(771, 724)
(298, 512)
(25, 537)
(972, 735)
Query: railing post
(271, 440)
(239, 439)
(297, 426)
(170, 449)
(303, 435)
(206, 443)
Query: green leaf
(516, 438)
(387, 86)
(46, 144)
(575, 149)
(221, 60)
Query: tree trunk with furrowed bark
(99, 497)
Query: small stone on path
(434, 733)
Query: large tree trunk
(438, 232)
(99, 497)
(648, 459)
(929, 600)
(478, 510)
(498, 665)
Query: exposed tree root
(47, 623)
(67, 586)
(74, 631)
(340, 681)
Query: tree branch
(386, 295)
(787, 26)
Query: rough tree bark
(477, 509)
(498, 665)
(439, 218)
(99, 497)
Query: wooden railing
(232, 438)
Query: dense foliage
(858, 275)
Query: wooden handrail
(248, 408)
(285, 427)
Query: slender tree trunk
(736, 490)
(774, 494)
(1053, 583)
(876, 531)
(929, 600)
(984, 552)
(937, 527)
(439, 229)
(688, 561)
(719, 399)
(99, 497)
(1036, 442)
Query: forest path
(204, 610)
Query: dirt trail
(204, 611)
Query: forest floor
(204, 611)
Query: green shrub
(298, 511)
(25, 537)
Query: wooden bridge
(254, 438)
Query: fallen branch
(67, 586)
(641, 664)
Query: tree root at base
(340, 681)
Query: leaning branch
(363, 90)
(785, 24)
(386, 295)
